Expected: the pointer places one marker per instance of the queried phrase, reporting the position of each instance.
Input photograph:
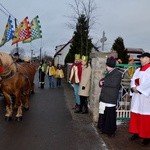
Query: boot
(42, 86)
(146, 142)
(134, 137)
(85, 111)
(79, 109)
(76, 106)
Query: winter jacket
(59, 73)
(50, 71)
(84, 86)
(110, 87)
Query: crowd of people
(55, 75)
(79, 78)
(80, 75)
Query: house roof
(63, 46)
(135, 50)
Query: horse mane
(7, 62)
(5, 59)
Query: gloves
(83, 87)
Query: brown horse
(16, 81)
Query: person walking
(50, 71)
(84, 86)
(75, 78)
(139, 124)
(42, 71)
(110, 85)
(59, 75)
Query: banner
(8, 33)
(36, 32)
(22, 32)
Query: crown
(77, 56)
(85, 58)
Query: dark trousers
(83, 104)
(58, 82)
(107, 121)
(42, 79)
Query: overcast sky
(129, 19)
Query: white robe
(141, 102)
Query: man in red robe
(140, 105)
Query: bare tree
(81, 7)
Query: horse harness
(6, 74)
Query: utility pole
(31, 55)
(41, 53)
(103, 40)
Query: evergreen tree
(119, 47)
(81, 43)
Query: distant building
(62, 51)
(133, 52)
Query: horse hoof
(26, 109)
(18, 119)
(32, 92)
(8, 118)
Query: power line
(4, 12)
(8, 13)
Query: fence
(124, 99)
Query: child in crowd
(59, 75)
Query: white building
(61, 52)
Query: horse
(16, 81)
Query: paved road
(48, 125)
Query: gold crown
(77, 56)
(85, 58)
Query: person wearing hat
(139, 124)
(84, 85)
(110, 86)
(75, 78)
(16, 57)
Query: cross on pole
(103, 40)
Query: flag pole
(17, 42)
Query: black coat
(111, 86)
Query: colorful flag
(22, 32)
(9, 32)
(36, 32)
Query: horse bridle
(6, 74)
